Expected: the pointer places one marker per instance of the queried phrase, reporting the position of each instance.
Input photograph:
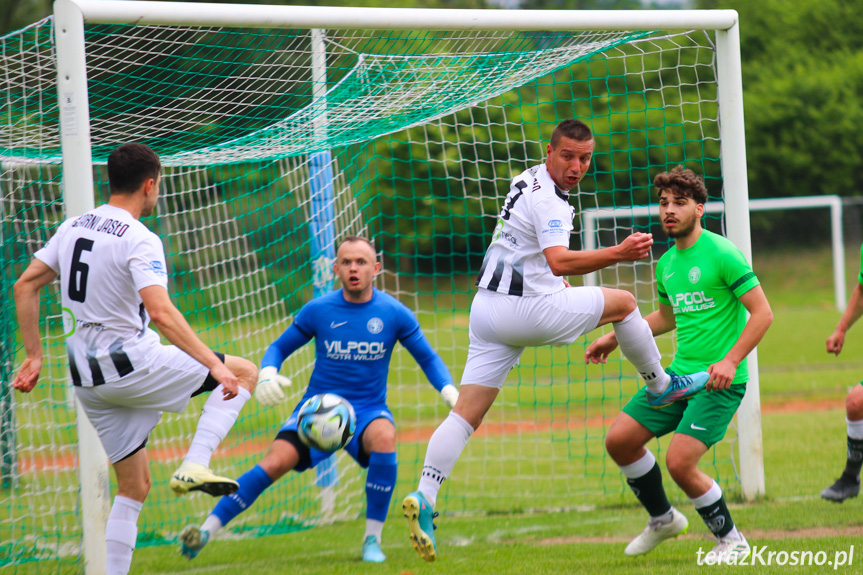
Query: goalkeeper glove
(268, 391)
(449, 394)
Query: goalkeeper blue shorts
(365, 415)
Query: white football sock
(212, 524)
(639, 468)
(855, 428)
(709, 497)
(445, 447)
(374, 527)
(639, 347)
(121, 532)
(216, 421)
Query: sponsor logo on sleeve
(158, 268)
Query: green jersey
(860, 278)
(703, 284)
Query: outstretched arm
(37, 275)
(432, 365)
(566, 262)
(760, 318)
(270, 384)
(852, 313)
(174, 327)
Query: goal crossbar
(234, 15)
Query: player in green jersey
(705, 289)
(848, 485)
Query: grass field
(804, 443)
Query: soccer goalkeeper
(356, 314)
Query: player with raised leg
(848, 484)
(355, 329)
(705, 287)
(523, 301)
(113, 281)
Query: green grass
(792, 517)
(802, 393)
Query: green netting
(425, 131)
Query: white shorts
(501, 326)
(124, 412)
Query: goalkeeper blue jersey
(353, 346)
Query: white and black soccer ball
(326, 422)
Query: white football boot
(656, 532)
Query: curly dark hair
(681, 182)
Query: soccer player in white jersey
(523, 301)
(113, 282)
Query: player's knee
(617, 446)
(618, 305)
(136, 489)
(854, 403)
(279, 460)
(680, 469)
(380, 436)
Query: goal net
(275, 142)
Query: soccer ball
(326, 422)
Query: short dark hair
(681, 182)
(130, 165)
(572, 129)
(352, 239)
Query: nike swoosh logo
(334, 325)
(669, 275)
(693, 426)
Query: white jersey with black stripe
(104, 258)
(536, 215)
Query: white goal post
(72, 89)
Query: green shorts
(704, 417)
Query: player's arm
(760, 318)
(660, 321)
(432, 365)
(26, 290)
(174, 327)
(269, 389)
(852, 313)
(566, 262)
